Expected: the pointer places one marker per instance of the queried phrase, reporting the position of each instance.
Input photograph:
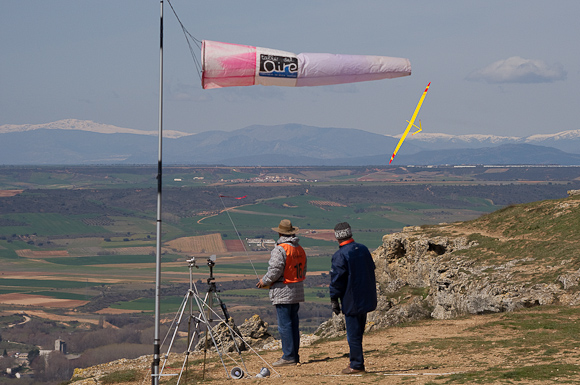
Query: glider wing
(411, 123)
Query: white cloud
(519, 70)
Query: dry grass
(9, 193)
(326, 203)
(27, 253)
(211, 243)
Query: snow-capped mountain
(472, 139)
(568, 141)
(73, 141)
(86, 125)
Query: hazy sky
(496, 67)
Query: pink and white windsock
(231, 65)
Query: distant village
(257, 179)
(17, 363)
(260, 244)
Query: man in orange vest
(285, 276)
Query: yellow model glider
(411, 123)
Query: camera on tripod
(211, 263)
(201, 328)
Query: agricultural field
(201, 244)
(78, 244)
(88, 234)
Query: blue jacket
(352, 279)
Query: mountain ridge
(72, 141)
(86, 125)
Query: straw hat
(285, 227)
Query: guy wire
(238, 234)
(189, 38)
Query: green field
(48, 224)
(89, 245)
(106, 260)
(55, 284)
(259, 218)
(253, 296)
(169, 305)
(8, 248)
(61, 295)
(90, 212)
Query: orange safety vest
(295, 269)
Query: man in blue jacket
(352, 280)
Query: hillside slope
(517, 257)
(497, 270)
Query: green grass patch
(309, 242)
(252, 218)
(7, 320)
(62, 295)
(316, 295)
(131, 225)
(241, 268)
(56, 284)
(314, 264)
(537, 372)
(120, 376)
(14, 346)
(319, 264)
(542, 327)
(108, 260)
(250, 292)
(48, 224)
(11, 290)
(168, 304)
(312, 294)
(533, 334)
(8, 248)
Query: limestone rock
(225, 336)
(253, 331)
(570, 280)
(334, 327)
(455, 284)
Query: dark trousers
(355, 327)
(288, 324)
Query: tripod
(199, 318)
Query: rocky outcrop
(255, 332)
(456, 284)
(419, 276)
(231, 338)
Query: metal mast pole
(156, 346)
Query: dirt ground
(413, 354)
(323, 362)
(9, 193)
(38, 300)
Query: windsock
(231, 65)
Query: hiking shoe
(350, 370)
(283, 362)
